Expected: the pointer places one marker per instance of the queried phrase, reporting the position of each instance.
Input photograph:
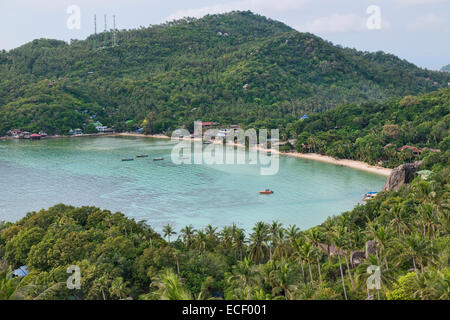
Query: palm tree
(243, 271)
(282, 279)
(383, 236)
(308, 253)
(372, 228)
(328, 231)
(273, 231)
(339, 235)
(258, 242)
(201, 241)
(398, 219)
(413, 247)
(14, 288)
(315, 238)
(434, 285)
(239, 241)
(281, 250)
(292, 235)
(102, 283)
(299, 242)
(168, 231)
(226, 236)
(211, 232)
(188, 233)
(168, 286)
(118, 287)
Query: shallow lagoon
(89, 171)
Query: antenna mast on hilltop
(105, 38)
(95, 32)
(114, 32)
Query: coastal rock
(370, 248)
(401, 175)
(357, 257)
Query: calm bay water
(89, 171)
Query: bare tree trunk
(303, 272)
(342, 276)
(415, 268)
(320, 273)
(310, 272)
(349, 272)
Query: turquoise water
(89, 171)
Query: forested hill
(231, 68)
(446, 68)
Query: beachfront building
(415, 151)
(101, 128)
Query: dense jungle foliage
(237, 68)
(373, 132)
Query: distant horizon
(413, 30)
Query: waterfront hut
(415, 151)
(35, 136)
(20, 272)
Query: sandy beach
(359, 165)
(354, 164)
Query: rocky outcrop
(357, 257)
(401, 175)
(370, 248)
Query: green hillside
(232, 68)
(372, 132)
(446, 68)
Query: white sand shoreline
(354, 164)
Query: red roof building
(415, 150)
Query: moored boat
(370, 195)
(158, 159)
(128, 159)
(267, 191)
(142, 156)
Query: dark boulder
(357, 257)
(401, 175)
(370, 248)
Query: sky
(415, 30)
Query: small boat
(370, 195)
(142, 156)
(128, 159)
(158, 159)
(267, 191)
(206, 142)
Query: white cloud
(259, 6)
(338, 23)
(429, 22)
